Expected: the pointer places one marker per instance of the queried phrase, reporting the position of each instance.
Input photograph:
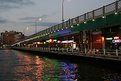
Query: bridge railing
(77, 51)
(100, 12)
(98, 52)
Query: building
(10, 37)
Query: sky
(22, 15)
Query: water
(23, 66)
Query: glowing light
(38, 43)
(103, 39)
(97, 50)
(116, 41)
(85, 22)
(109, 38)
(116, 37)
(68, 41)
(116, 13)
(59, 41)
(74, 45)
(72, 26)
(54, 40)
(93, 19)
(40, 19)
(77, 24)
(103, 17)
(50, 40)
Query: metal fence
(67, 51)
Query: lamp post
(62, 11)
(38, 19)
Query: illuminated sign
(116, 41)
(51, 40)
(68, 41)
(116, 37)
(109, 38)
(63, 31)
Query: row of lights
(116, 13)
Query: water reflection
(21, 66)
(56, 70)
(29, 68)
(69, 72)
(111, 76)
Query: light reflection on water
(21, 66)
(59, 71)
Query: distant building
(10, 37)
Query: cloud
(48, 24)
(44, 24)
(10, 4)
(28, 18)
(44, 16)
(15, 1)
(3, 20)
(34, 18)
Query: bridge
(95, 34)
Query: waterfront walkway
(100, 54)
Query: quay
(61, 51)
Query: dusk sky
(21, 15)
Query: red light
(102, 38)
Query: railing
(78, 52)
(103, 11)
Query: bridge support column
(116, 52)
(104, 51)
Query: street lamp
(38, 19)
(62, 11)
